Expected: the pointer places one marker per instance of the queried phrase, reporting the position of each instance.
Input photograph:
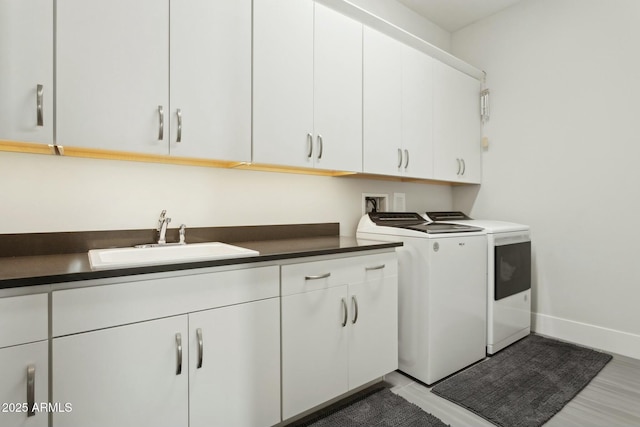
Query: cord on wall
(374, 205)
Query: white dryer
(442, 293)
(508, 279)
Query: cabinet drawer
(310, 276)
(85, 309)
(23, 319)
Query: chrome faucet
(163, 223)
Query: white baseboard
(592, 336)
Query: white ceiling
(453, 15)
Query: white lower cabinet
(215, 362)
(373, 335)
(234, 365)
(247, 348)
(314, 349)
(339, 327)
(24, 373)
(134, 375)
(24, 361)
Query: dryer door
(512, 264)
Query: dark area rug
(525, 384)
(375, 407)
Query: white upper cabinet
(337, 91)
(112, 75)
(398, 108)
(26, 70)
(211, 79)
(282, 81)
(382, 104)
(307, 93)
(114, 60)
(457, 126)
(417, 113)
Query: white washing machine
(508, 279)
(442, 292)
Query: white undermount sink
(101, 259)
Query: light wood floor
(611, 399)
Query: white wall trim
(593, 336)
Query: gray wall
(564, 146)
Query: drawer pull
(320, 276)
(355, 312)
(179, 353)
(31, 390)
(200, 347)
(345, 316)
(377, 267)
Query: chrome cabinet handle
(377, 267)
(161, 123)
(320, 146)
(31, 390)
(399, 158)
(179, 353)
(200, 347)
(345, 316)
(179, 114)
(406, 160)
(310, 145)
(320, 276)
(39, 96)
(464, 167)
(459, 166)
(355, 313)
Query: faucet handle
(161, 219)
(183, 230)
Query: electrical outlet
(399, 202)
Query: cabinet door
(471, 131)
(456, 124)
(123, 376)
(417, 113)
(211, 79)
(112, 63)
(283, 82)
(382, 104)
(337, 91)
(15, 363)
(234, 365)
(373, 334)
(314, 349)
(26, 61)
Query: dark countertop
(60, 268)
